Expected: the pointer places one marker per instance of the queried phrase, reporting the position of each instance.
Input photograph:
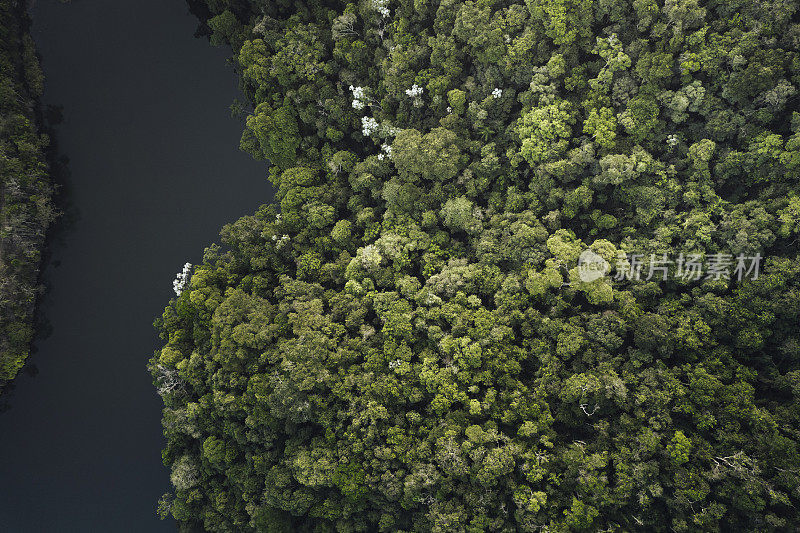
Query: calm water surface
(155, 172)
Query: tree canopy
(402, 341)
(26, 190)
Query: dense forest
(405, 341)
(26, 190)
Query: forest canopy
(403, 340)
(26, 190)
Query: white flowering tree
(181, 279)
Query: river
(155, 172)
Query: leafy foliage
(407, 345)
(26, 209)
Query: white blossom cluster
(380, 6)
(280, 242)
(358, 92)
(672, 140)
(449, 109)
(181, 278)
(386, 152)
(369, 257)
(358, 97)
(415, 91)
(368, 126)
(395, 364)
(497, 93)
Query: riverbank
(26, 190)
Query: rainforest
(530, 266)
(26, 190)
(403, 341)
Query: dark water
(155, 172)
